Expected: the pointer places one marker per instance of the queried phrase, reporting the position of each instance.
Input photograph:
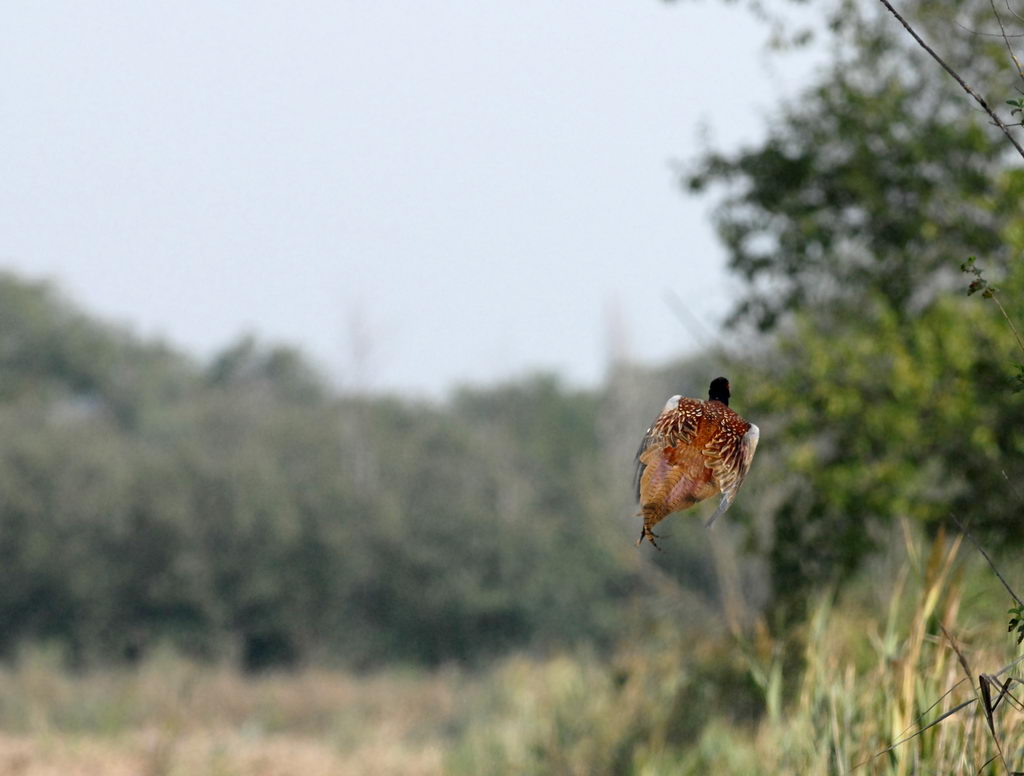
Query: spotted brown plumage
(693, 450)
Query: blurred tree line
(242, 509)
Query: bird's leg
(649, 535)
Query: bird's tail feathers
(723, 505)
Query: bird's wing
(729, 459)
(675, 424)
(638, 473)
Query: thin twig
(1006, 40)
(984, 33)
(1013, 12)
(956, 77)
(1016, 334)
(984, 554)
(1011, 484)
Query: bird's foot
(649, 535)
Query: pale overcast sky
(471, 189)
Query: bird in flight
(694, 450)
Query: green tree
(849, 222)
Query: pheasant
(693, 450)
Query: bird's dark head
(719, 391)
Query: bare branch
(987, 34)
(1013, 13)
(1006, 40)
(956, 77)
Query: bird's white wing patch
(747, 446)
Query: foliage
(847, 685)
(890, 421)
(241, 509)
(859, 686)
(1016, 622)
(889, 396)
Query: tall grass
(849, 694)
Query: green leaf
(1018, 387)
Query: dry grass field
(172, 718)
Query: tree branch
(1006, 38)
(956, 77)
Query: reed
(918, 690)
